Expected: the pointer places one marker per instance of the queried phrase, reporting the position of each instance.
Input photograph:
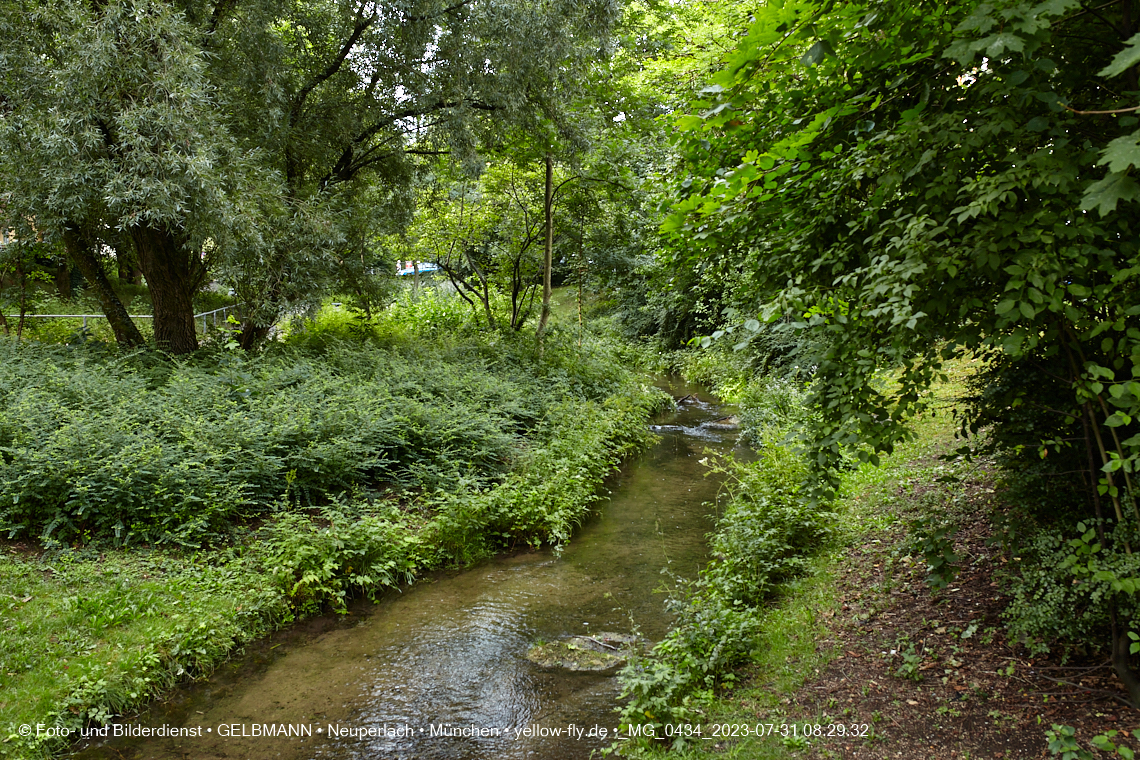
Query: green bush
(328, 561)
(769, 528)
(140, 448)
(1062, 584)
(768, 531)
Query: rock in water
(600, 653)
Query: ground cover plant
(768, 530)
(899, 628)
(160, 513)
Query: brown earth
(933, 672)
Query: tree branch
(1098, 113)
(221, 9)
(334, 66)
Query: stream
(417, 674)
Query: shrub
(763, 540)
(137, 448)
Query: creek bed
(417, 674)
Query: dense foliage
(915, 182)
(143, 449)
(343, 463)
(264, 144)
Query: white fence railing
(204, 316)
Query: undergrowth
(142, 448)
(183, 508)
(765, 538)
(766, 547)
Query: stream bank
(94, 630)
(450, 651)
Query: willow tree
(109, 129)
(344, 97)
(261, 141)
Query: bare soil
(933, 671)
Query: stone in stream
(599, 653)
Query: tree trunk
(1122, 659)
(252, 335)
(581, 282)
(548, 253)
(22, 281)
(81, 251)
(63, 280)
(173, 276)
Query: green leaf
(999, 43)
(689, 122)
(1125, 59)
(1122, 153)
(816, 53)
(1103, 195)
(1054, 7)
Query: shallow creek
(451, 649)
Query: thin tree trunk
(581, 282)
(173, 276)
(548, 253)
(22, 280)
(81, 251)
(63, 280)
(1122, 658)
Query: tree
(917, 182)
(255, 136)
(368, 87)
(484, 235)
(110, 125)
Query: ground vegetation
(906, 185)
(160, 513)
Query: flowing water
(415, 675)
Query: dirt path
(934, 672)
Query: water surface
(447, 655)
